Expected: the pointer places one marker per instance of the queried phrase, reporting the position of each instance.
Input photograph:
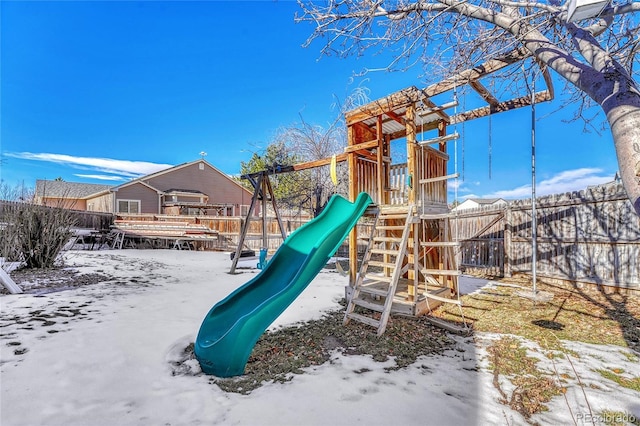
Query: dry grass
(532, 388)
(572, 314)
(615, 375)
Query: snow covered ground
(102, 354)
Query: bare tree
(311, 142)
(314, 142)
(594, 56)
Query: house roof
(75, 190)
(62, 189)
(485, 201)
(142, 179)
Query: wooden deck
(168, 234)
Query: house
(474, 203)
(69, 195)
(194, 188)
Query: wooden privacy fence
(79, 218)
(230, 227)
(591, 236)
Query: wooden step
(384, 251)
(390, 227)
(373, 291)
(367, 320)
(376, 279)
(387, 239)
(382, 264)
(368, 304)
(387, 216)
(450, 272)
(391, 209)
(442, 299)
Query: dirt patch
(279, 355)
(53, 279)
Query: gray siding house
(194, 188)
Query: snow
(103, 356)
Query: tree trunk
(623, 114)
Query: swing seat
(244, 253)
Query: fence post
(507, 242)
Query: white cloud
(462, 186)
(566, 181)
(101, 177)
(104, 165)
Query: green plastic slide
(233, 326)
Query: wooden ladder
(375, 292)
(448, 270)
(447, 264)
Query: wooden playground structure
(409, 263)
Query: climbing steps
(374, 291)
(402, 245)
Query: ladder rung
(390, 227)
(439, 178)
(382, 264)
(452, 272)
(370, 321)
(442, 299)
(439, 243)
(384, 251)
(440, 139)
(367, 304)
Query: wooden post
(353, 193)
(413, 177)
(380, 160)
(410, 126)
(245, 225)
(387, 169)
(508, 229)
(263, 190)
(275, 208)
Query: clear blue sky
(101, 92)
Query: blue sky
(102, 92)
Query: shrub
(33, 234)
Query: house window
(128, 206)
